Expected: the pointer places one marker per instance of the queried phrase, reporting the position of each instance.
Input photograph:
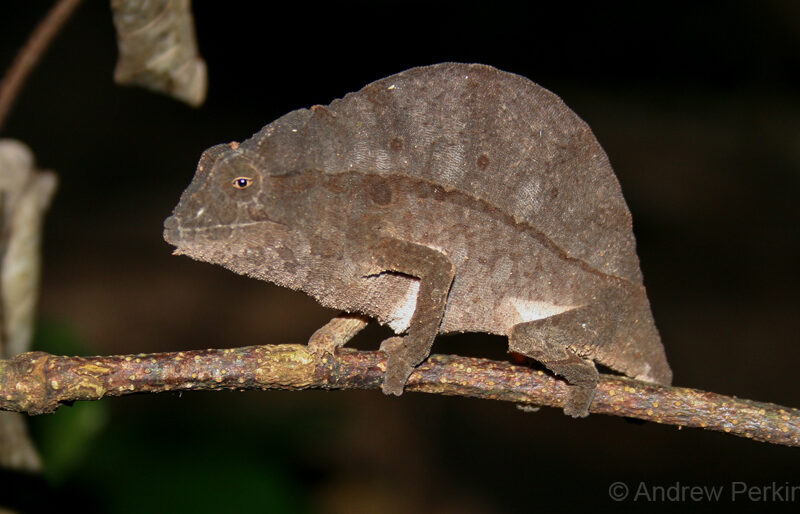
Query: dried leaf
(17, 451)
(25, 194)
(158, 48)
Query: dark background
(697, 105)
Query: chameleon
(443, 199)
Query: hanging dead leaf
(25, 194)
(158, 48)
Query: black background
(697, 105)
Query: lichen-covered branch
(38, 382)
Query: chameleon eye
(242, 182)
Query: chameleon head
(225, 201)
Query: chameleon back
(470, 127)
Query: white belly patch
(400, 317)
(530, 310)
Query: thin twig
(38, 382)
(29, 55)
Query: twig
(38, 382)
(30, 54)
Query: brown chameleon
(446, 198)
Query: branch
(29, 55)
(38, 382)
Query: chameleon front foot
(398, 366)
(435, 272)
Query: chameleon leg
(552, 341)
(336, 333)
(435, 273)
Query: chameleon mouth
(180, 236)
(172, 231)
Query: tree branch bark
(37, 382)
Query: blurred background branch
(31, 53)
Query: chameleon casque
(446, 198)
